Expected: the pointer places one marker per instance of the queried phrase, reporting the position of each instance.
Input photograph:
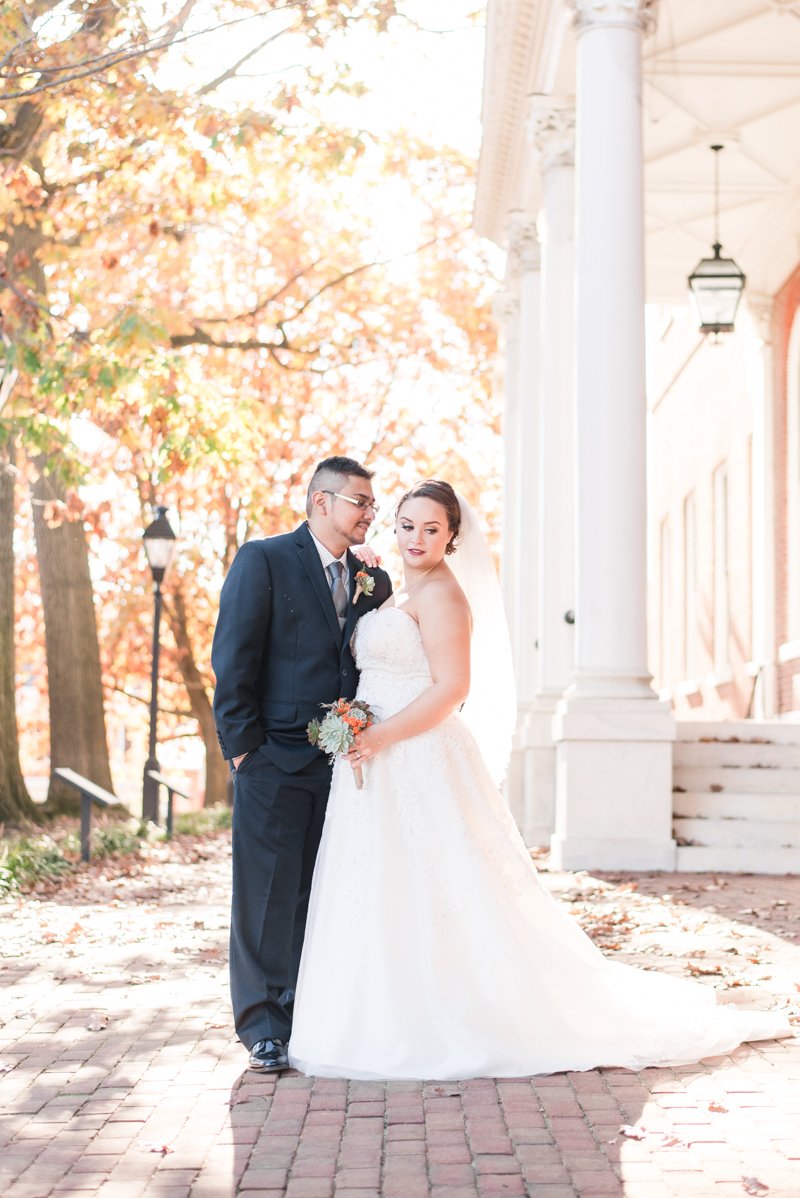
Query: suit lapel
(353, 609)
(307, 552)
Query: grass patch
(31, 859)
(200, 823)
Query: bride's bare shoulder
(443, 597)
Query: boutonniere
(365, 585)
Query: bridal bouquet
(337, 732)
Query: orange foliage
(219, 315)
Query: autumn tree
(81, 106)
(219, 378)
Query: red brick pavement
(85, 1121)
(158, 1103)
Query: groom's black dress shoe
(268, 1056)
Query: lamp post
(159, 545)
(716, 284)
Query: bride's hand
(365, 555)
(367, 745)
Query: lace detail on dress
(388, 649)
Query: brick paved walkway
(154, 1100)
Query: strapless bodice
(392, 661)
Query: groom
(281, 648)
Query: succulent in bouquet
(336, 733)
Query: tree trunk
(74, 684)
(217, 772)
(15, 802)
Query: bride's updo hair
(443, 494)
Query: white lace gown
(432, 949)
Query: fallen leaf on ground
(97, 1023)
(162, 1148)
(752, 1185)
(27, 1014)
(704, 970)
(209, 1024)
(665, 1140)
(718, 1107)
(633, 1133)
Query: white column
(614, 752)
(762, 499)
(505, 308)
(551, 130)
(506, 312)
(551, 125)
(525, 256)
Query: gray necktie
(338, 592)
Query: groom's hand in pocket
(237, 761)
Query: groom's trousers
(277, 825)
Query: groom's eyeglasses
(361, 504)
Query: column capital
(550, 124)
(523, 243)
(761, 308)
(505, 308)
(632, 14)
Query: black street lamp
(159, 545)
(716, 284)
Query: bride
(432, 949)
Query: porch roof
(721, 72)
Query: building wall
(786, 365)
(700, 428)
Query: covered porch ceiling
(717, 72)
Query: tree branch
(26, 298)
(276, 295)
(342, 278)
(198, 337)
(231, 72)
(162, 710)
(103, 62)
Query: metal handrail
(172, 789)
(90, 793)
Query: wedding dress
(432, 948)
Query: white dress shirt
(326, 557)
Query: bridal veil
(490, 711)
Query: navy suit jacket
(278, 651)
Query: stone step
(777, 732)
(751, 781)
(733, 859)
(736, 805)
(739, 833)
(719, 754)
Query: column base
(530, 786)
(613, 784)
(605, 853)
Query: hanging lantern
(716, 284)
